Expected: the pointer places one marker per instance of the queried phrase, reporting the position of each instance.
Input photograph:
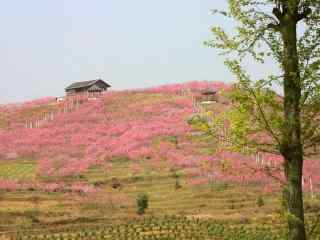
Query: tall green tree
(288, 32)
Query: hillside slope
(91, 158)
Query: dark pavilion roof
(85, 84)
(208, 91)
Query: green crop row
(162, 228)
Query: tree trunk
(291, 145)
(294, 199)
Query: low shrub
(260, 201)
(142, 203)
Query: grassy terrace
(22, 169)
(36, 211)
(161, 228)
(215, 211)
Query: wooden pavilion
(91, 87)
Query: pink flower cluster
(142, 124)
(192, 86)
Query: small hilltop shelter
(91, 87)
(203, 100)
(208, 95)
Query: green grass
(18, 169)
(232, 204)
(161, 228)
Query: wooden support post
(311, 186)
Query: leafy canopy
(257, 36)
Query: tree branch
(304, 14)
(277, 53)
(274, 26)
(277, 12)
(264, 118)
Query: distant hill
(68, 138)
(83, 161)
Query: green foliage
(33, 215)
(200, 124)
(313, 227)
(242, 233)
(258, 109)
(169, 227)
(208, 126)
(163, 228)
(18, 169)
(176, 177)
(256, 119)
(288, 33)
(142, 203)
(260, 201)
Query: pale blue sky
(47, 44)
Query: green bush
(33, 215)
(142, 203)
(260, 201)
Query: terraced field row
(160, 228)
(223, 202)
(18, 170)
